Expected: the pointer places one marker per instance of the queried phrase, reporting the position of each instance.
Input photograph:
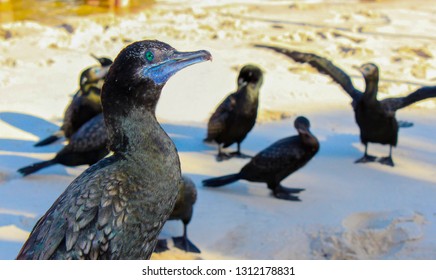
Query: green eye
(149, 56)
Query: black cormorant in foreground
(236, 115)
(117, 207)
(85, 104)
(375, 118)
(277, 162)
(87, 146)
(183, 210)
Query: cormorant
(87, 146)
(85, 104)
(183, 210)
(375, 118)
(277, 162)
(116, 208)
(236, 115)
(95, 74)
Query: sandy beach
(348, 211)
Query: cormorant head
(104, 61)
(92, 75)
(250, 74)
(301, 124)
(134, 83)
(152, 61)
(369, 70)
(141, 70)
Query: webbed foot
(386, 161)
(285, 193)
(185, 245)
(366, 158)
(280, 188)
(239, 155)
(223, 156)
(161, 246)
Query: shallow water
(51, 10)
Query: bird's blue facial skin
(161, 71)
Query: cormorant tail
(36, 166)
(221, 181)
(50, 139)
(404, 124)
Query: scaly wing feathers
(67, 224)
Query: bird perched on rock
(87, 146)
(183, 210)
(277, 162)
(234, 118)
(375, 118)
(116, 208)
(86, 103)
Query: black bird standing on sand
(277, 162)
(375, 118)
(117, 207)
(183, 210)
(236, 115)
(87, 146)
(86, 103)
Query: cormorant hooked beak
(302, 130)
(358, 68)
(160, 73)
(104, 62)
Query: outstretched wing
(324, 66)
(390, 105)
(218, 120)
(66, 231)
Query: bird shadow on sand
(188, 138)
(339, 145)
(31, 124)
(9, 164)
(28, 123)
(10, 244)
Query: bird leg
(221, 155)
(387, 160)
(161, 246)
(183, 243)
(281, 192)
(366, 157)
(239, 154)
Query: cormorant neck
(309, 139)
(250, 92)
(371, 88)
(131, 124)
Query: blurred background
(50, 10)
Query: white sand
(348, 211)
